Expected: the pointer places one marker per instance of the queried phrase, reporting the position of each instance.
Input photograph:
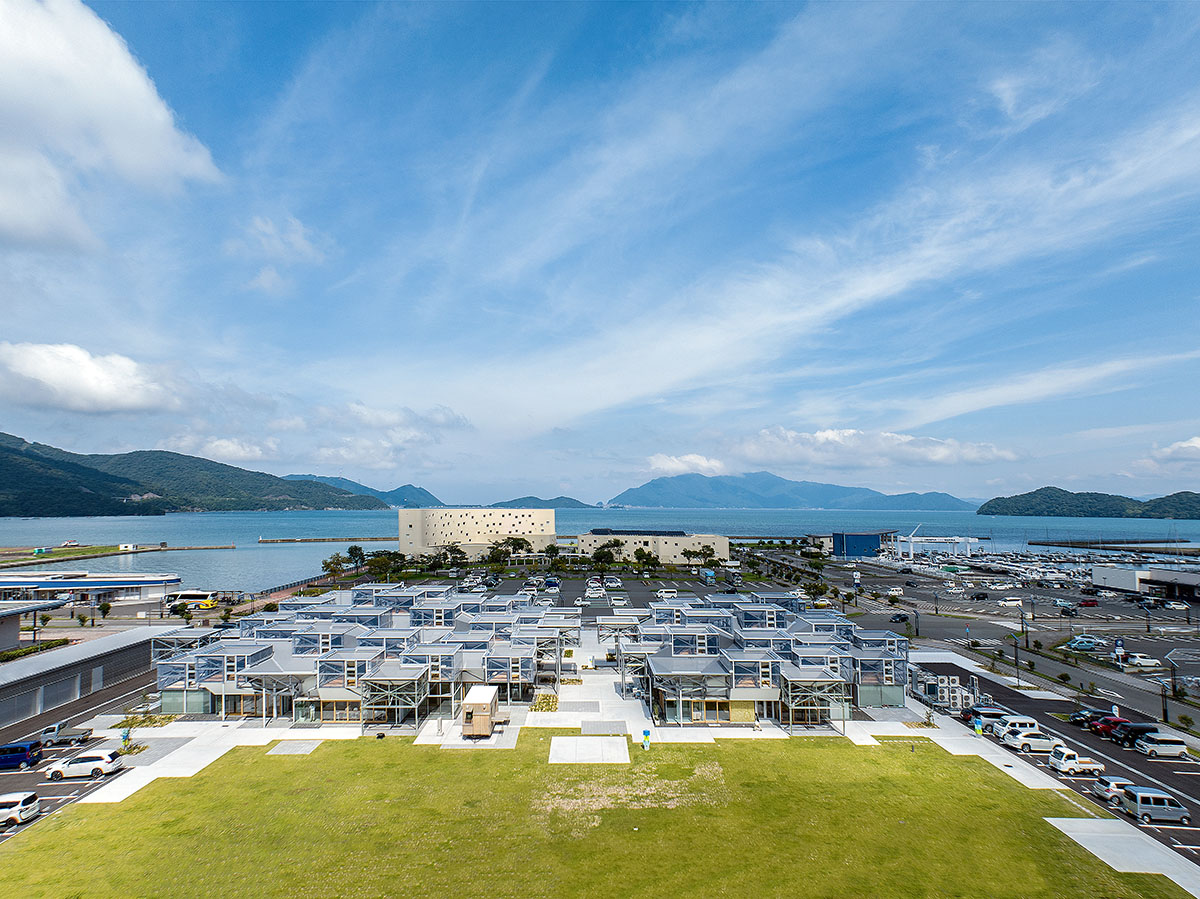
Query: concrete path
(1125, 848)
(589, 751)
(206, 742)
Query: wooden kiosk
(480, 711)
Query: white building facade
(669, 546)
(426, 531)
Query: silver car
(1031, 741)
(1110, 789)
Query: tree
(380, 569)
(691, 555)
(82, 619)
(707, 553)
(550, 551)
(357, 557)
(105, 608)
(334, 565)
(602, 558)
(455, 555)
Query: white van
(1156, 744)
(1012, 722)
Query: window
(230, 668)
(326, 642)
(351, 673)
(764, 674)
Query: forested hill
(536, 502)
(148, 482)
(407, 496)
(763, 490)
(1054, 502)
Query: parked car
(1063, 602)
(1089, 603)
(911, 584)
(1009, 601)
(64, 733)
(1099, 641)
(1068, 612)
(1156, 744)
(666, 593)
(898, 618)
(1031, 741)
(987, 713)
(1149, 804)
(1089, 591)
(1080, 644)
(1130, 733)
(895, 591)
(1109, 788)
(620, 600)
(1107, 594)
(1102, 727)
(87, 764)
(594, 593)
(1084, 717)
(979, 596)
(17, 808)
(22, 754)
(1069, 762)
(583, 600)
(1141, 660)
(1011, 722)
(553, 590)
(612, 583)
(1177, 606)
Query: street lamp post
(1163, 686)
(1147, 611)
(935, 603)
(1017, 658)
(918, 614)
(1033, 606)
(1024, 630)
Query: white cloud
(289, 242)
(851, 448)
(74, 103)
(359, 452)
(690, 462)
(222, 449)
(65, 376)
(268, 280)
(1180, 451)
(291, 423)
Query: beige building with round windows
(426, 531)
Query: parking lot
(1179, 777)
(638, 593)
(52, 795)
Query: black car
(978, 595)
(1084, 717)
(911, 584)
(1089, 591)
(1068, 612)
(899, 617)
(1128, 734)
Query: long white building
(474, 530)
(667, 545)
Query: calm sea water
(253, 566)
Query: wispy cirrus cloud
(849, 448)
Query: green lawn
(806, 817)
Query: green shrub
(1065, 677)
(10, 654)
(1186, 721)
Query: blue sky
(502, 249)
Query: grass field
(805, 817)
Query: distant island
(1053, 502)
(536, 502)
(763, 490)
(38, 480)
(407, 496)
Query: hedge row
(10, 654)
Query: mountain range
(41, 480)
(763, 490)
(1058, 503)
(408, 496)
(536, 502)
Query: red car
(1089, 603)
(1104, 726)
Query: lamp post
(935, 603)
(1024, 630)
(1163, 686)
(1033, 606)
(1147, 611)
(1017, 658)
(918, 614)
